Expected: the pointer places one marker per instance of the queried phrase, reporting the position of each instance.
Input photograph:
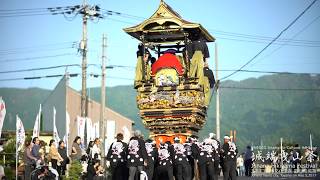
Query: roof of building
(167, 25)
(95, 102)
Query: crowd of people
(143, 159)
(180, 161)
(36, 159)
(137, 159)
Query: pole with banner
(67, 134)
(55, 131)
(2, 113)
(20, 138)
(36, 127)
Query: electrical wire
(264, 42)
(285, 44)
(263, 38)
(131, 67)
(41, 68)
(35, 58)
(40, 77)
(110, 12)
(260, 52)
(269, 89)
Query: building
(67, 100)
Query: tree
(75, 170)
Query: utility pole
(84, 49)
(88, 12)
(102, 123)
(217, 94)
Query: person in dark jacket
(164, 168)
(194, 156)
(181, 161)
(137, 155)
(92, 169)
(76, 150)
(216, 146)
(152, 157)
(117, 159)
(206, 159)
(229, 155)
(63, 153)
(35, 148)
(209, 82)
(248, 161)
(42, 173)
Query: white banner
(55, 131)
(67, 134)
(90, 130)
(96, 130)
(126, 134)
(36, 127)
(81, 122)
(111, 125)
(20, 134)
(2, 113)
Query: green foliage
(75, 170)
(9, 149)
(9, 172)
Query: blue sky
(240, 28)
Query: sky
(241, 28)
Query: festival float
(170, 99)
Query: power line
(271, 41)
(32, 51)
(269, 89)
(284, 44)
(34, 58)
(122, 66)
(68, 10)
(117, 20)
(270, 72)
(38, 69)
(110, 12)
(73, 43)
(40, 77)
(263, 38)
(9, 13)
(264, 42)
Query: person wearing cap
(206, 159)
(217, 151)
(164, 169)
(152, 157)
(116, 157)
(209, 82)
(181, 161)
(137, 156)
(229, 156)
(143, 68)
(194, 156)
